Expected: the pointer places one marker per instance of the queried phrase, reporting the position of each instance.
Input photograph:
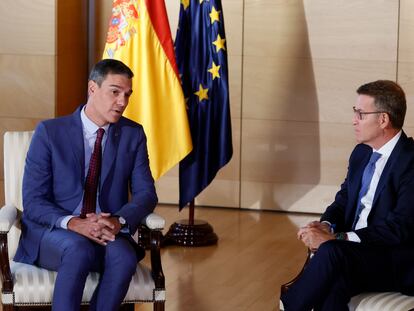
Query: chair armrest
(154, 222)
(8, 214)
(150, 237)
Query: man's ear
(91, 87)
(385, 120)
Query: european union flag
(201, 53)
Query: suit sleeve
(335, 213)
(38, 200)
(143, 195)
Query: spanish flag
(139, 35)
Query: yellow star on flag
(219, 43)
(214, 70)
(201, 93)
(214, 15)
(185, 3)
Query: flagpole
(191, 232)
(191, 213)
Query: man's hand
(314, 234)
(111, 224)
(88, 228)
(100, 228)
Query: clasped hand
(314, 234)
(101, 228)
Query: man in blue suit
(57, 233)
(365, 239)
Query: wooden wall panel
(289, 165)
(27, 27)
(279, 88)
(338, 80)
(27, 66)
(352, 29)
(27, 86)
(406, 56)
(71, 55)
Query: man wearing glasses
(365, 239)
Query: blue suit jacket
(54, 178)
(391, 220)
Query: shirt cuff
(331, 226)
(125, 230)
(63, 221)
(352, 236)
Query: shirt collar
(89, 126)
(389, 146)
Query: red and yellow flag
(139, 35)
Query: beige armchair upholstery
(387, 301)
(27, 285)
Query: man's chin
(115, 118)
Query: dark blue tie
(366, 181)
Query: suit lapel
(110, 151)
(386, 172)
(75, 138)
(355, 177)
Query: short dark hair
(109, 66)
(388, 97)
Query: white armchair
(26, 285)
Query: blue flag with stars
(201, 54)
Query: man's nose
(123, 101)
(355, 119)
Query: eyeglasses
(360, 114)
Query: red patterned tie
(92, 179)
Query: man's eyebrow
(119, 87)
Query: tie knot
(100, 133)
(374, 157)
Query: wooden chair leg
(159, 306)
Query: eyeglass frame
(362, 113)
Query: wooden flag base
(200, 233)
(191, 232)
